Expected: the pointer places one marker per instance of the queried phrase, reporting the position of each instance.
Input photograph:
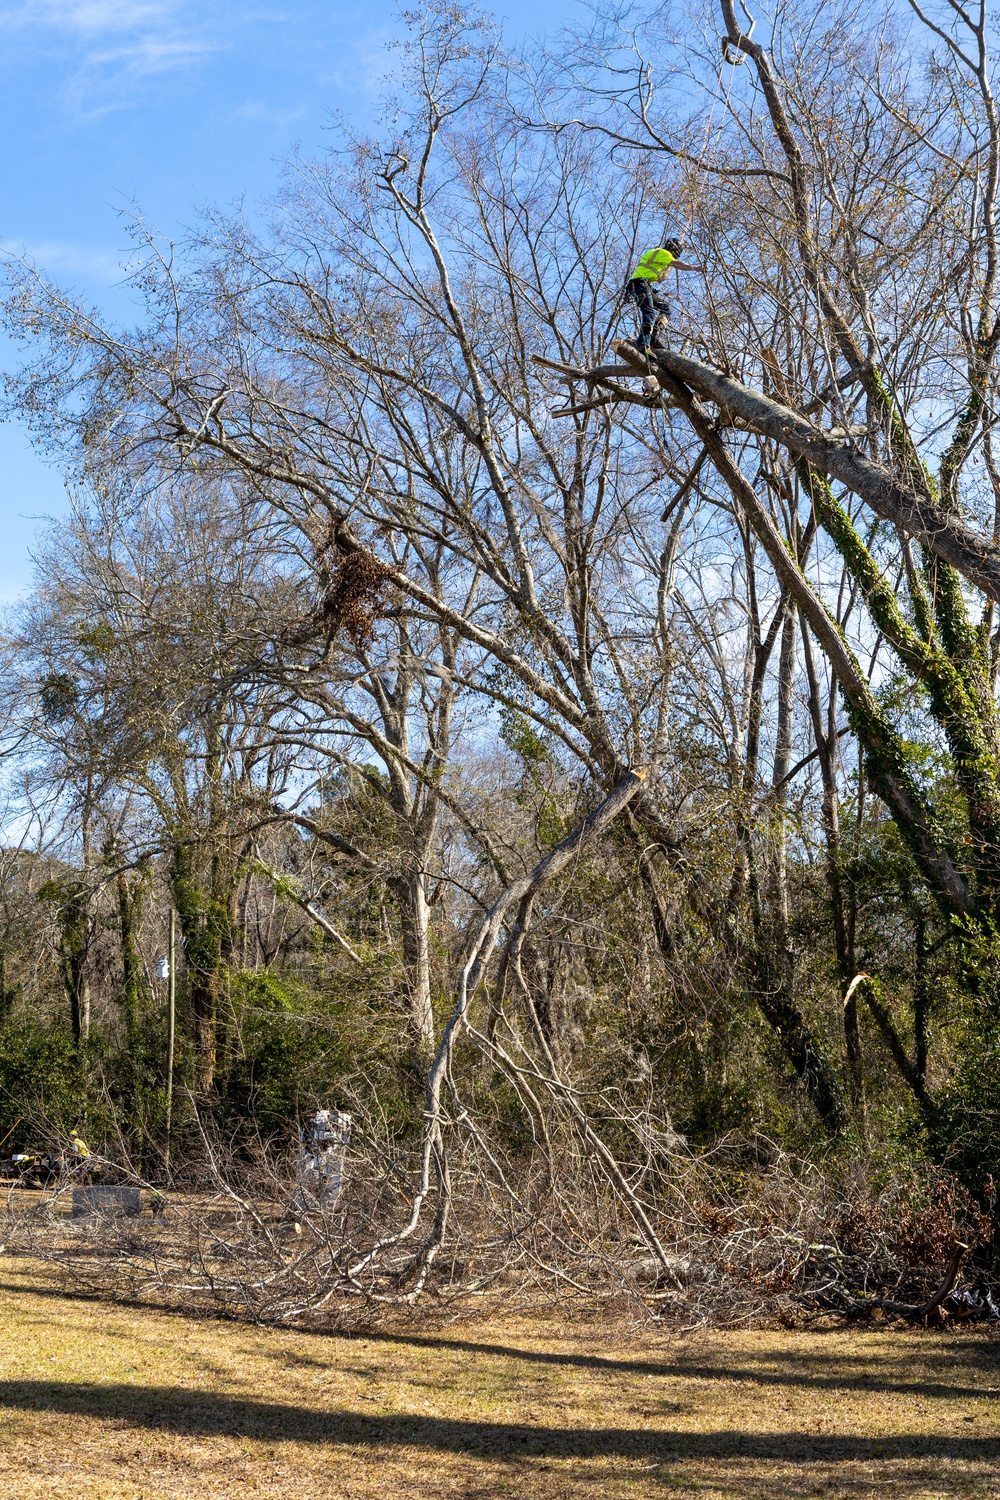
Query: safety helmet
(674, 246)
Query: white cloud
(111, 78)
(112, 49)
(266, 114)
(89, 17)
(149, 55)
(64, 257)
(363, 62)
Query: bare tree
(371, 385)
(129, 681)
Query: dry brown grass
(107, 1401)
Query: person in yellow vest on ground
(78, 1147)
(79, 1154)
(650, 304)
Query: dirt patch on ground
(112, 1402)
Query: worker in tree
(652, 305)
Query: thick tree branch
(975, 557)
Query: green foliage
(290, 1043)
(41, 1078)
(966, 1128)
(58, 697)
(521, 736)
(98, 641)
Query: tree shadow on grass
(201, 1414)
(851, 1373)
(841, 1372)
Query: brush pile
(742, 1235)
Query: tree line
(346, 630)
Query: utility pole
(171, 1007)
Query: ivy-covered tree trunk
(825, 736)
(75, 944)
(205, 918)
(772, 986)
(72, 898)
(131, 894)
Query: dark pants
(651, 306)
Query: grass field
(111, 1402)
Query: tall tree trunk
(73, 898)
(767, 959)
(129, 910)
(414, 913)
(782, 760)
(77, 934)
(8, 992)
(921, 1000)
(204, 921)
(804, 1052)
(843, 928)
(416, 806)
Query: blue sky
(169, 104)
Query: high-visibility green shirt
(652, 265)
